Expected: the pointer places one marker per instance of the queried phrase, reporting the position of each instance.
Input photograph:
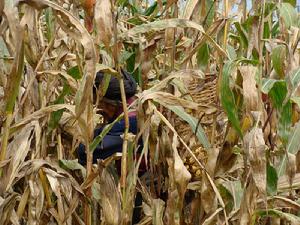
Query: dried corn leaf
(17, 151)
(6, 208)
(167, 99)
(104, 21)
(250, 91)
(110, 198)
(255, 151)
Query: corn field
(218, 109)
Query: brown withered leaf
(212, 218)
(291, 167)
(181, 175)
(250, 91)
(110, 197)
(73, 27)
(253, 37)
(189, 9)
(208, 196)
(6, 208)
(255, 150)
(154, 211)
(248, 203)
(179, 178)
(35, 200)
(17, 152)
(167, 99)
(104, 21)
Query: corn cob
(209, 114)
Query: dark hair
(113, 91)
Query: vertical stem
(225, 3)
(5, 136)
(261, 45)
(245, 10)
(123, 97)
(174, 38)
(12, 92)
(59, 147)
(89, 164)
(125, 142)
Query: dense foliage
(218, 111)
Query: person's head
(111, 103)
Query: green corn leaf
(231, 52)
(278, 57)
(292, 2)
(125, 56)
(161, 25)
(49, 23)
(285, 121)
(75, 72)
(242, 34)
(275, 29)
(151, 9)
(56, 116)
(104, 132)
(209, 18)
(227, 196)
(72, 165)
(227, 97)
(289, 14)
(267, 84)
(294, 80)
(105, 83)
(203, 56)
(292, 147)
(15, 78)
(196, 127)
(272, 179)
(267, 30)
(278, 94)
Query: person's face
(108, 110)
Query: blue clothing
(111, 143)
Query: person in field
(111, 107)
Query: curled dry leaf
(6, 208)
(208, 199)
(248, 203)
(110, 198)
(104, 21)
(255, 151)
(72, 26)
(17, 151)
(179, 178)
(155, 211)
(250, 91)
(291, 167)
(35, 200)
(181, 175)
(167, 99)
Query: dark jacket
(111, 143)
